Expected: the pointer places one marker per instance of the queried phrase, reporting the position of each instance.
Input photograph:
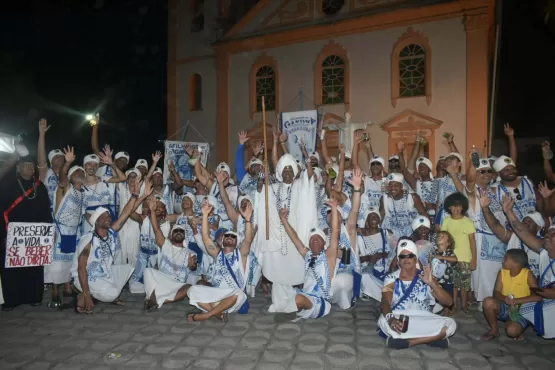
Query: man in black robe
(23, 199)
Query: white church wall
(370, 82)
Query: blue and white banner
(300, 127)
(175, 151)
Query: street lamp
(93, 119)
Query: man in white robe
(168, 282)
(281, 262)
(94, 270)
(231, 269)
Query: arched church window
(265, 86)
(412, 71)
(333, 80)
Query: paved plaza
(127, 338)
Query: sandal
(488, 337)
(150, 306)
(80, 309)
(118, 302)
(56, 303)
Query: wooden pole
(266, 180)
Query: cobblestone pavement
(39, 338)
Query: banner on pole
(175, 152)
(300, 126)
(29, 244)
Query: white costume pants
(421, 324)
(204, 294)
(108, 290)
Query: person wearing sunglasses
(408, 297)
(521, 189)
(170, 281)
(320, 260)
(232, 264)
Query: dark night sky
(62, 58)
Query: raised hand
(452, 167)
(401, 145)
(69, 154)
(546, 147)
(247, 213)
(485, 201)
(257, 148)
(356, 180)
(188, 149)
(108, 150)
(43, 126)
(106, 156)
(243, 138)
(195, 153)
(282, 137)
(544, 190)
(450, 137)
(359, 136)
(508, 203)
(509, 131)
(342, 149)
(283, 213)
(151, 203)
(171, 166)
(206, 208)
(156, 156)
(426, 275)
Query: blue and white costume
(66, 218)
(399, 214)
(345, 285)
(373, 275)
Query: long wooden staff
(266, 181)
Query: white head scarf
(135, 171)
(286, 160)
(190, 196)
(91, 158)
(396, 177)
(425, 161)
(96, 214)
(407, 245)
(484, 164)
(224, 167)
(159, 171)
(457, 155)
(252, 162)
(122, 155)
(537, 218)
(420, 221)
(141, 162)
(502, 162)
(378, 159)
(244, 197)
(320, 233)
(371, 210)
(54, 153)
(73, 169)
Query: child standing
(462, 229)
(442, 260)
(512, 289)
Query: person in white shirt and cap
(408, 297)
(321, 256)
(213, 189)
(142, 166)
(51, 177)
(170, 281)
(96, 269)
(519, 188)
(423, 237)
(231, 269)
(374, 185)
(398, 207)
(248, 184)
(121, 160)
(99, 192)
(425, 186)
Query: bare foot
(489, 336)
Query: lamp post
(93, 119)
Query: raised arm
(211, 247)
(341, 175)
(94, 140)
(240, 156)
(106, 158)
(245, 246)
(547, 169)
(332, 253)
(414, 155)
(499, 230)
(510, 133)
(229, 208)
(202, 175)
(355, 200)
(523, 234)
(548, 199)
(451, 143)
(159, 235)
(291, 232)
(69, 158)
(308, 163)
(155, 158)
(283, 142)
(132, 204)
(419, 205)
(42, 164)
(357, 139)
(324, 146)
(452, 172)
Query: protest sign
(300, 126)
(29, 244)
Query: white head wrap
(135, 171)
(421, 221)
(254, 161)
(176, 226)
(484, 164)
(162, 200)
(502, 162)
(425, 161)
(159, 171)
(394, 156)
(244, 197)
(457, 155)
(224, 167)
(315, 155)
(96, 214)
(407, 245)
(371, 210)
(141, 162)
(212, 201)
(122, 155)
(91, 158)
(377, 158)
(285, 161)
(190, 196)
(320, 233)
(73, 169)
(54, 153)
(396, 177)
(537, 218)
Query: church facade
(408, 66)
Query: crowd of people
(425, 241)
